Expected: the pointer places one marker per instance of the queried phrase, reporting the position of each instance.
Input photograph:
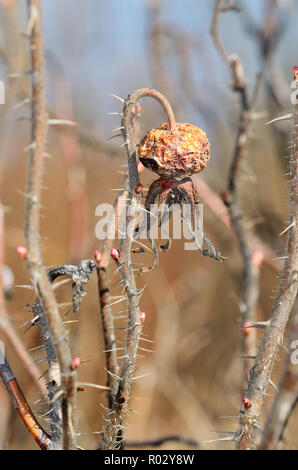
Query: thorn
(228, 417)
(24, 286)
(113, 350)
(99, 387)
(60, 283)
(113, 137)
(257, 324)
(32, 20)
(231, 438)
(114, 114)
(19, 74)
(124, 143)
(30, 147)
(141, 376)
(248, 357)
(42, 346)
(282, 346)
(288, 228)
(274, 386)
(117, 97)
(63, 122)
(56, 396)
(21, 103)
(148, 340)
(281, 118)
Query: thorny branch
(34, 260)
(114, 421)
(283, 305)
(107, 320)
(286, 398)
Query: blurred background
(192, 304)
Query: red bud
(75, 363)
(247, 327)
(142, 317)
(115, 254)
(97, 256)
(246, 402)
(22, 252)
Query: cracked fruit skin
(175, 154)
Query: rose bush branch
(250, 284)
(274, 332)
(285, 400)
(34, 261)
(115, 420)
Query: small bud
(247, 328)
(75, 363)
(139, 188)
(246, 402)
(226, 197)
(295, 72)
(142, 317)
(115, 254)
(22, 251)
(97, 256)
(80, 388)
(122, 399)
(258, 258)
(140, 167)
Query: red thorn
(97, 256)
(75, 363)
(22, 251)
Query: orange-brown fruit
(177, 153)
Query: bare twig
(7, 328)
(231, 196)
(21, 405)
(76, 172)
(34, 260)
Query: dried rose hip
(177, 153)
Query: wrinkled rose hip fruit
(177, 153)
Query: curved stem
(141, 92)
